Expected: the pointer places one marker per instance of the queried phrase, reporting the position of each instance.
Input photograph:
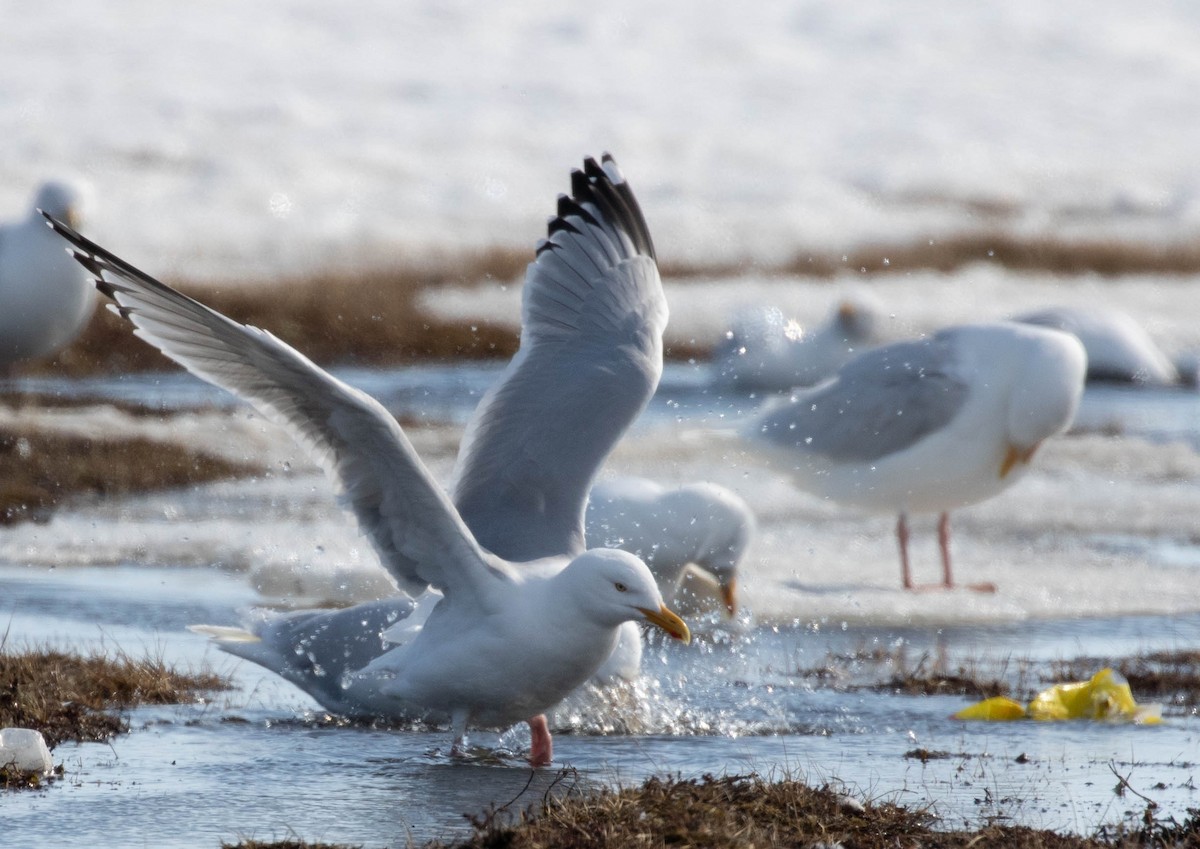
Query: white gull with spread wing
(508, 640)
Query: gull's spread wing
(419, 536)
(593, 314)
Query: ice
(909, 305)
(24, 749)
(1099, 526)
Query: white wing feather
(420, 538)
(590, 358)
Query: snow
(227, 139)
(912, 304)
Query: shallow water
(1094, 557)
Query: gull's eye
(621, 588)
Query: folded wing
(881, 402)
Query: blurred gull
(46, 299)
(700, 527)
(1119, 350)
(508, 640)
(929, 425)
(763, 350)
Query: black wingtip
(58, 226)
(95, 259)
(602, 185)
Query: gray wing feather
(882, 402)
(398, 504)
(593, 314)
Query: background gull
(1119, 350)
(929, 425)
(45, 299)
(765, 350)
(507, 641)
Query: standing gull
(929, 425)
(507, 641)
(45, 298)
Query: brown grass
(1172, 677)
(367, 318)
(747, 811)
(41, 470)
(372, 317)
(1017, 252)
(940, 684)
(862, 670)
(71, 697)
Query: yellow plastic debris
(1106, 696)
(995, 709)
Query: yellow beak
(668, 621)
(729, 596)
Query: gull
(699, 527)
(929, 425)
(45, 298)
(507, 640)
(764, 350)
(1119, 350)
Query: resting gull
(1119, 350)
(929, 425)
(508, 640)
(45, 298)
(764, 350)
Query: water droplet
(280, 205)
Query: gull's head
(612, 587)
(64, 200)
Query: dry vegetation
(748, 811)
(1170, 677)
(373, 318)
(1018, 252)
(39, 470)
(69, 697)
(368, 318)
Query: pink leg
(541, 750)
(947, 576)
(902, 539)
(944, 544)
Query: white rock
(25, 749)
